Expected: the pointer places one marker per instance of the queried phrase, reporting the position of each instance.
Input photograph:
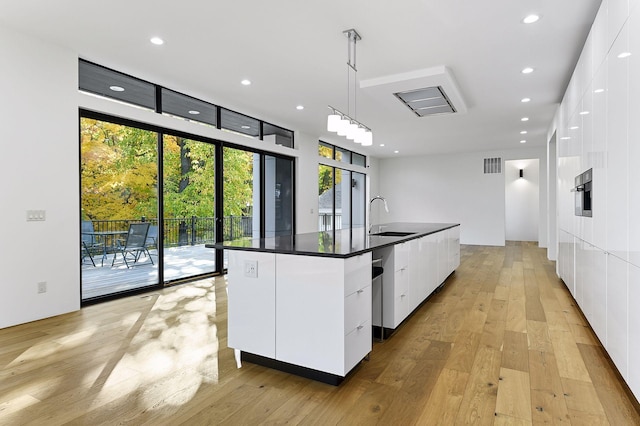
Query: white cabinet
(617, 203)
(595, 290)
(417, 272)
(430, 262)
(443, 256)
(309, 311)
(395, 294)
(412, 271)
(323, 315)
(252, 303)
(634, 134)
(598, 162)
(633, 374)
(617, 312)
(453, 243)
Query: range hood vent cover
(427, 101)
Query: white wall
(454, 188)
(522, 211)
(39, 122)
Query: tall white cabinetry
(598, 128)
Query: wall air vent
(492, 165)
(427, 101)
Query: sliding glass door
(119, 183)
(188, 207)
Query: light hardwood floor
(502, 343)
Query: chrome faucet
(386, 208)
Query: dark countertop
(345, 243)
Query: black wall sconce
(521, 173)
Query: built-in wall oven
(584, 193)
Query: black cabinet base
(309, 373)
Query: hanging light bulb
(352, 131)
(368, 138)
(360, 135)
(333, 122)
(344, 126)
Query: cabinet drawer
(400, 256)
(357, 273)
(357, 309)
(357, 345)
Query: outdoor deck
(179, 262)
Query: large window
(341, 198)
(341, 192)
(139, 231)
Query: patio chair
(152, 240)
(152, 237)
(134, 245)
(89, 244)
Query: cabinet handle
(403, 295)
(360, 327)
(360, 291)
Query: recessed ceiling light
(300, 107)
(530, 19)
(598, 91)
(524, 119)
(525, 100)
(565, 138)
(246, 127)
(245, 82)
(194, 112)
(381, 144)
(157, 41)
(523, 141)
(396, 151)
(524, 132)
(583, 112)
(117, 88)
(624, 55)
(527, 70)
(573, 127)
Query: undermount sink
(393, 234)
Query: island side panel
(310, 312)
(252, 302)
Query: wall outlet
(42, 287)
(251, 268)
(36, 215)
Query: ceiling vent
(428, 101)
(427, 91)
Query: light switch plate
(36, 215)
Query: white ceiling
(295, 53)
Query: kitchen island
(305, 303)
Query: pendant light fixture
(342, 123)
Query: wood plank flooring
(502, 343)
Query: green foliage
(120, 181)
(188, 191)
(118, 171)
(325, 178)
(238, 182)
